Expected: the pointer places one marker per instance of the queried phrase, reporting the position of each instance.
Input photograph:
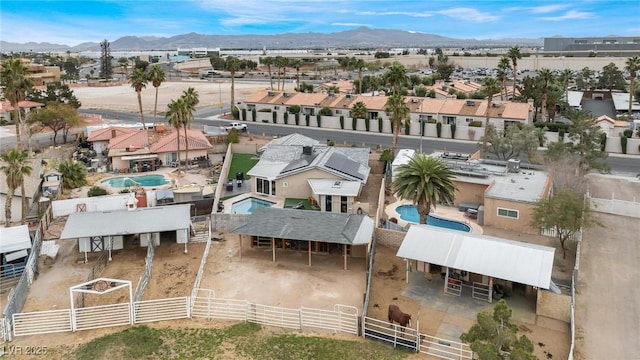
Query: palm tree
(231, 64)
(268, 60)
(296, 64)
(139, 80)
(545, 77)
(15, 167)
(514, 55)
(398, 115)
(285, 63)
(157, 77)
(191, 99)
(503, 70)
(489, 87)
(555, 96)
(360, 65)
(16, 82)
(565, 77)
(632, 65)
(175, 115)
(396, 77)
(426, 181)
(74, 174)
(278, 61)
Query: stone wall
(389, 238)
(554, 306)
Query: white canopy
(500, 258)
(14, 238)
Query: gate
(453, 287)
(41, 322)
(481, 291)
(274, 316)
(341, 319)
(213, 308)
(444, 349)
(161, 309)
(102, 316)
(5, 330)
(390, 334)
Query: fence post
(300, 316)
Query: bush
(235, 112)
(233, 137)
(475, 123)
(125, 191)
(453, 131)
(407, 128)
(623, 144)
(366, 123)
(431, 121)
(286, 118)
(342, 122)
(561, 135)
(439, 129)
(274, 116)
(264, 110)
(253, 114)
(379, 124)
(628, 133)
(331, 143)
(294, 109)
(325, 111)
(297, 118)
(354, 123)
(319, 120)
(553, 127)
(307, 119)
(603, 141)
(96, 191)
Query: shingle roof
(307, 225)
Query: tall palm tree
(15, 167)
(489, 87)
(296, 64)
(268, 60)
(503, 70)
(545, 78)
(175, 115)
(514, 55)
(360, 65)
(398, 115)
(565, 77)
(396, 77)
(278, 61)
(191, 99)
(285, 63)
(16, 82)
(232, 65)
(138, 81)
(426, 181)
(632, 65)
(157, 76)
(555, 96)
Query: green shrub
(96, 191)
(367, 123)
(331, 143)
(236, 113)
(354, 123)
(431, 121)
(342, 122)
(603, 141)
(623, 144)
(561, 135)
(627, 133)
(476, 123)
(125, 191)
(254, 114)
(233, 137)
(286, 118)
(294, 109)
(407, 128)
(297, 118)
(307, 119)
(319, 120)
(453, 131)
(380, 125)
(265, 110)
(553, 127)
(325, 111)
(274, 116)
(439, 129)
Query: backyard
(242, 163)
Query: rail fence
(615, 206)
(146, 276)
(95, 272)
(203, 262)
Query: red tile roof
(138, 139)
(110, 133)
(168, 143)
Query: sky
(73, 22)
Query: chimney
(113, 133)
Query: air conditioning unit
(349, 96)
(271, 93)
(471, 103)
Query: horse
(395, 314)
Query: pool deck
(444, 212)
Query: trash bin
(230, 185)
(239, 176)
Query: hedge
(439, 129)
(286, 118)
(551, 126)
(342, 122)
(475, 123)
(453, 131)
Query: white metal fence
(444, 349)
(390, 334)
(615, 206)
(552, 232)
(41, 322)
(102, 316)
(342, 319)
(146, 275)
(161, 309)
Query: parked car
(236, 125)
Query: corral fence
(411, 339)
(342, 318)
(146, 275)
(95, 272)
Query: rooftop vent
(513, 166)
(414, 100)
(337, 184)
(471, 103)
(307, 150)
(286, 94)
(349, 96)
(496, 105)
(271, 93)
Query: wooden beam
(345, 256)
(309, 248)
(273, 247)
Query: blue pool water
(128, 181)
(248, 205)
(410, 213)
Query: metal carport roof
(500, 258)
(123, 222)
(14, 238)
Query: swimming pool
(248, 205)
(129, 181)
(410, 213)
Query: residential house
(612, 127)
(26, 106)
(31, 187)
(100, 138)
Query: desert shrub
(342, 122)
(367, 123)
(431, 121)
(331, 143)
(453, 131)
(623, 144)
(439, 129)
(96, 191)
(286, 118)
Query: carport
(345, 230)
(475, 260)
(104, 230)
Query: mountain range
(361, 38)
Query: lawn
(292, 202)
(240, 341)
(242, 163)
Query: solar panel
(343, 164)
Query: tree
(157, 77)
(493, 336)
(503, 70)
(566, 212)
(514, 55)
(124, 64)
(139, 80)
(74, 174)
(426, 181)
(632, 65)
(585, 80)
(554, 98)
(191, 99)
(398, 112)
(106, 71)
(176, 114)
(360, 65)
(544, 78)
(15, 167)
(16, 82)
(396, 77)
(231, 64)
(359, 110)
(57, 117)
(611, 78)
(55, 92)
(584, 134)
(268, 60)
(489, 87)
(513, 142)
(565, 77)
(444, 68)
(296, 64)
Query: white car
(236, 125)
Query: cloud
(543, 9)
(350, 24)
(469, 14)
(570, 15)
(394, 13)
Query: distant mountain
(364, 38)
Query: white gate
(41, 322)
(481, 291)
(102, 316)
(444, 349)
(274, 316)
(341, 319)
(390, 334)
(161, 309)
(5, 330)
(453, 287)
(214, 308)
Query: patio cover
(500, 258)
(14, 238)
(308, 225)
(124, 222)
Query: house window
(273, 188)
(338, 112)
(373, 115)
(468, 120)
(449, 120)
(276, 108)
(343, 204)
(514, 214)
(263, 186)
(327, 203)
(425, 118)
